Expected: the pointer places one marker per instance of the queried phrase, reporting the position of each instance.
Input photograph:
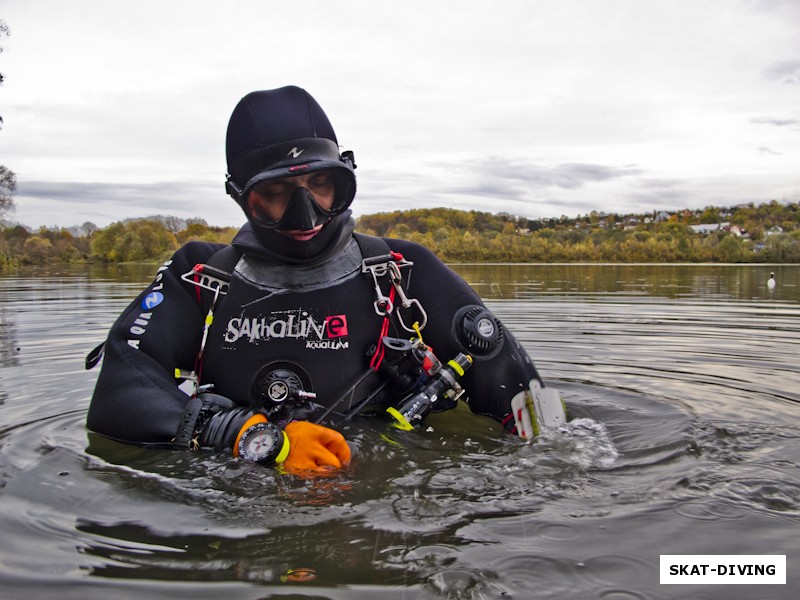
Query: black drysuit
(315, 321)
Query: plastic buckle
(214, 283)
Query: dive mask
(280, 204)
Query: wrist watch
(263, 443)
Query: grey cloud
(172, 195)
(658, 183)
(787, 72)
(661, 198)
(656, 194)
(568, 176)
(784, 9)
(69, 203)
(471, 185)
(529, 207)
(497, 176)
(567, 207)
(773, 121)
(764, 150)
(485, 190)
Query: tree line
(135, 240)
(751, 233)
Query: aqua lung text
(153, 299)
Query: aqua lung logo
(295, 152)
(325, 333)
(152, 300)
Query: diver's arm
(136, 399)
(501, 369)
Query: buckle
(209, 278)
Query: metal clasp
(383, 304)
(390, 264)
(405, 302)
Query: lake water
(684, 393)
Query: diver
(250, 348)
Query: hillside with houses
(767, 232)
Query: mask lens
(270, 200)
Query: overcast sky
(116, 109)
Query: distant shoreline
(759, 234)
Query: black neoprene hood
(281, 133)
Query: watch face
(261, 443)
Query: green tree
(782, 248)
(729, 249)
(710, 215)
(8, 187)
(37, 249)
(133, 241)
(4, 30)
(8, 181)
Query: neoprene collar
(281, 250)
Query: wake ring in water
(628, 429)
(703, 510)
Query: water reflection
(9, 347)
(527, 281)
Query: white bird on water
(771, 281)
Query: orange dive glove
(314, 448)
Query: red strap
(377, 358)
(198, 268)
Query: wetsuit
(313, 324)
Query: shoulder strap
(370, 245)
(214, 274)
(225, 259)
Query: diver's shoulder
(196, 252)
(412, 251)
